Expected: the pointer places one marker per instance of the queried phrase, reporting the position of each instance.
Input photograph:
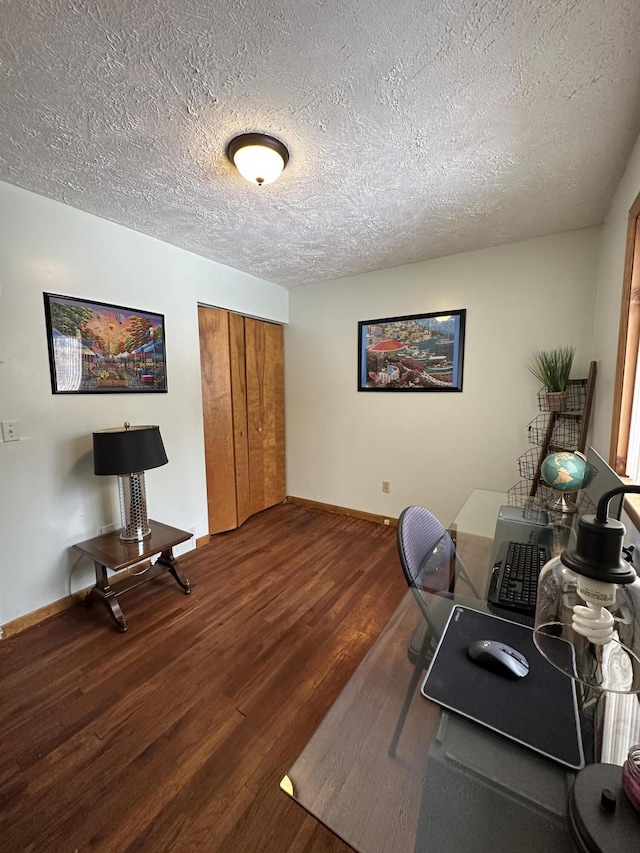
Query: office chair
(429, 562)
(430, 565)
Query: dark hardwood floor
(175, 735)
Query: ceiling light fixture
(259, 158)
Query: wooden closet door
(264, 348)
(239, 410)
(224, 415)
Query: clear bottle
(631, 776)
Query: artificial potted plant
(552, 367)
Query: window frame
(627, 356)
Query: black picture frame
(414, 352)
(100, 348)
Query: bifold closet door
(239, 410)
(224, 417)
(264, 354)
(242, 365)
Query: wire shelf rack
(565, 432)
(528, 464)
(575, 398)
(546, 498)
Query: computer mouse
(498, 657)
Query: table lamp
(128, 452)
(587, 625)
(587, 621)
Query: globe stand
(561, 505)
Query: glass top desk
(389, 771)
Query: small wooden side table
(110, 552)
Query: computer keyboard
(514, 581)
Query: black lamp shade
(128, 449)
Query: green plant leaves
(552, 367)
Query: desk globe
(567, 471)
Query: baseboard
(16, 626)
(343, 510)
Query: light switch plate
(10, 431)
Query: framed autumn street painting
(418, 352)
(99, 348)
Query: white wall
(49, 496)
(341, 444)
(607, 315)
(433, 447)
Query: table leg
(166, 558)
(116, 613)
(104, 592)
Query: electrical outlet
(386, 487)
(386, 521)
(10, 431)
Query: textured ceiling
(416, 129)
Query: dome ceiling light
(259, 158)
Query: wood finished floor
(175, 735)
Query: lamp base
(595, 828)
(133, 507)
(137, 537)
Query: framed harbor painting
(98, 348)
(419, 352)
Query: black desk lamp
(587, 624)
(128, 452)
(587, 621)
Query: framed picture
(98, 348)
(419, 352)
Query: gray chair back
(426, 551)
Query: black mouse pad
(538, 711)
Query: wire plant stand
(549, 432)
